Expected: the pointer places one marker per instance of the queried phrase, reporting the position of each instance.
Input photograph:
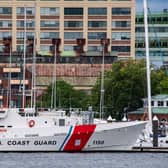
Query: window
(5, 34)
(73, 35)
(121, 48)
(5, 23)
(73, 11)
(94, 48)
(20, 35)
(29, 23)
(97, 11)
(68, 48)
(20, 48)
(21, 11)
(121, 11)
(96, 35)
(93, 24)
(1, 48)
(160, 103)
(77, 24)
(121, 36)
(61, 122)
(5, 10)
(125, 24)
(50, 11)
(49, 35)
(44, 47)
(49, 23)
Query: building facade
(11, 84)
(158, 36)
(70, 20)
(159, 105)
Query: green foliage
(125, 86)
(66, 96)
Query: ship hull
(101, 137)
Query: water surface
(84, 160)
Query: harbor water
(84, 160)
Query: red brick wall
(70, 70)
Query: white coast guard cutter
(54, 131)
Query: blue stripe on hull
(69, 133)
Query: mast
(102, 83)
(33, 98)
(24, 59)
(53, 95)
(10, 66)
(147, 61)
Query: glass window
(96, 35)
(5, 10)
(68, 48)
(121, 48)
(29, 23)
(49, 23)
(44, 47)
(1, 48)
(50, 11)
(116, 24)
(97, 11)
(77, 24)
(73, 35)
(29, 11)
(20, 35)
(5, 34)
(49, 35)
(73, 11)
(121, 11)
(97, 24)
(5, 23)
(94, 48)
(160, 103)
(121, 36)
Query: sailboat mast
(102, 85)
(10, 66)
(55, 79)
(53, 94)
(24, 59)
(147, 61)
(33, 98)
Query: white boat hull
(101, 137)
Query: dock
(150, 149)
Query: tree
(66, 96)
(125, 86)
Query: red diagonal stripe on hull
(79, 138)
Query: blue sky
(154, 5)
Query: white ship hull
(101, 137)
